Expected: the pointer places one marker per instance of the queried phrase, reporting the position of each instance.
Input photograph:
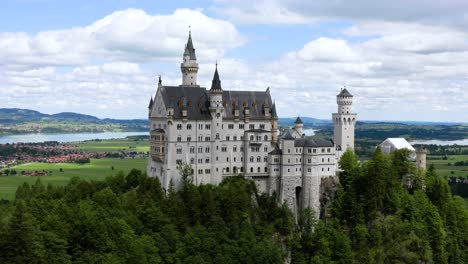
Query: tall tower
(344, 121)
(421, 158)
(216, 111)
(189, 66)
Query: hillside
(22, 121)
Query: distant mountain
(314, 122)
(22, 121)
(308, 121)
(10, 116)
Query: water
(306, 131)
(66, 137)
(461, 142)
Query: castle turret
(421, 158)
(344, 121)
(274, 124)
(189, 66)
(216, 109)
(298, 125)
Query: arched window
(179, 138)
(251, 159)
(251, 169)
(251, 137)
(266, 169)
(258, 169)
(258, 159)
(189, 126)
(217, 136)
(265, 138)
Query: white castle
(224, 133)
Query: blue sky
(402, 61)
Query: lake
(66, 137)
(461, 142)
(72, 137)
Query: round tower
(344, 121)
(189, 66)
(421, 154)
(299, 125)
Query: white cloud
(129, 35)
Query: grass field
(443, 169)
(97, 169)
(113, 145)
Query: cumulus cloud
(128, 35)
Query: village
(15, 154)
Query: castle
(223, 133)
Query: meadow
(444, 169)
(97, 169)
(113, 145)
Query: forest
(385, 211)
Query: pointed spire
(189, 50)
(273, 111)
(216, 83)
(151, 103)
(298, 120)
(159, 81)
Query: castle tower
(274, 124)
(421, 158)
(298, 125)
(344, 121)
(216, 110)
(189, 66)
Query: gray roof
(198, 102)
(189, 50)
(298, 121)
(151, 102)
(287, 135)
(216, 83)
(313, 142)
(345, 93)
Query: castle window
(189, 126)
(242, 159)
(308, 170)
(207, 138)
(200, 171)
(265, 149)
(207, 126)
(200, 126)
(323, 160)
(200, 161)
(179, 126)
(252, 126)
(265, 159)
(241, 126)
(192, 161)
(200, 149)
(251, 137)
(258, 169)
(266, 169)
(265, 138)
(189, 138)
(224, 149)
(289, 160)
(322, 169)
(251, 159)
(192, 149)
(235, 138)
(207, 171)
(179, 150)
(242, 148)
(207, 149)
(259, 159)
(262, 126)
(328, 150)
(251, 169)
(179, 162)
(234, 149)
(230, 126)
(323, 150)
(200, 138)
(217, 136)
(179, 138)
(227, 138)
(227, 159)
